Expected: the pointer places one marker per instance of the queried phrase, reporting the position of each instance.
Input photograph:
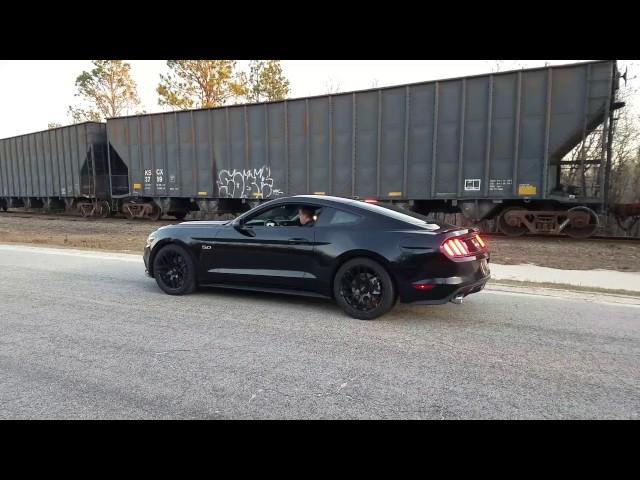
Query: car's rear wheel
(363, 289)
(174, 270)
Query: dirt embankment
(130, 235)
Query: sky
(34, 93)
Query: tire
(84, 213)
(105, 210)
(174, 270)
(510, 230)
(156, 214)
(359, 273)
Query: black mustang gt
(362, 254)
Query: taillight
(459, 247)
(423, 286)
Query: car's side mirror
(239, 223)
(240, 226)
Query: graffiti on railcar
(248, 183)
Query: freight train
(488, 146)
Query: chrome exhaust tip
(457, 299)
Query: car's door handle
(297, 241)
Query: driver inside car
(306, 217)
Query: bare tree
(332, 86)
(503, 65)
(495, 65)
(624, 180)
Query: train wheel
(583, 222)
(126, 211)
(156, 213)
(510, 224)
(85, 210)
(3, 206)
(625, 223)
(105, 209)
(180, 215)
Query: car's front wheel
(174, 270)
(363, 289)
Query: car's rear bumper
(470, 277)
(457, 294)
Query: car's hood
(194, 224)
(203, 223)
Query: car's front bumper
(145, 257)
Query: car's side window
(274, 217)
(343, 218)
(287, 215)
(337, 218)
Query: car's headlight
(150, 240)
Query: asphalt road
(91, 337)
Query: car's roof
(324, 199)
(328, 200)
(366, 208)
(360, 206)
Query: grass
(565, 286)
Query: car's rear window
(332, 217)
(396, 213)
(341, 218)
